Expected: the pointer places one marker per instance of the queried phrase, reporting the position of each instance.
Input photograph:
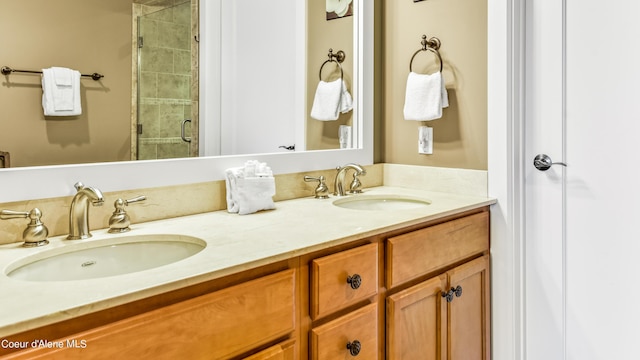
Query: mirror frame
(30, 183)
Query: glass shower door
(166, 127)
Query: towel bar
(432, 45)
(4, 159)
(7, 70)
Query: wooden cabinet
(421, 252)
(379, 296)
(416, 322)
(443, 318)
(219, 325)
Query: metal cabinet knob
(457, 291)
(354, 347)
(355, 281)
(543, 162)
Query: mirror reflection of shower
(166, 127)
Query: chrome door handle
(182, 135)
(543, 162)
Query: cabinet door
(469, 316)
(416, 322)
(219, 325)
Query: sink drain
(88, 263)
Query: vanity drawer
(219, 325)
(423, 251)
(342, 279)
(283, 351)
(330, 341)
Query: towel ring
(337, 58)
(432, 45)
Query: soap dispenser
(119, 221)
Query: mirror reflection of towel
(425, 97)
(331, 99)
(61, 92)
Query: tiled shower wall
(164, 80)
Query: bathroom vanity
(309, 280)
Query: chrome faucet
(79, 213)
(342, 171)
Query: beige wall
(323, 35)
(461, 134)
(87, 35)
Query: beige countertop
(234, 243)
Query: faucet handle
(135, 200)
(36, 232)
(322, 190)
(119, 221)
(356, 185)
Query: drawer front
(342, 279)
(355, 332)
(420, 252)
(283, 351)
(219, 325)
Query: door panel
(581, 266)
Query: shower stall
(165, 80)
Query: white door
(582, 243)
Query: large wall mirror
(256, 61)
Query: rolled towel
(425, 97)
(232, 175)
(250, 188)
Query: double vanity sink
(129, 254)
(107, 270)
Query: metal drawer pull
(457, 291)
(543, 162)
(354, 347)
(355, 281)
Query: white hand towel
(232, 175)
(425, 97)
(250, 188)
(256, 194)
(327, 100)
(346, 102)
(61, 92)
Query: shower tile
(174, 86)
(169, 151)
(149, 118)
(182, 14)
(174, 36)
(156, 59)
(171, 117)
(148, 85)
(182, 62)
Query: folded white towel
(61, 92)
(255, 194)
(346, 102)
(425, 97)
(232, 175)
(331, 99)
(250, 188)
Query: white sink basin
(381, 202)
(102, 258)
